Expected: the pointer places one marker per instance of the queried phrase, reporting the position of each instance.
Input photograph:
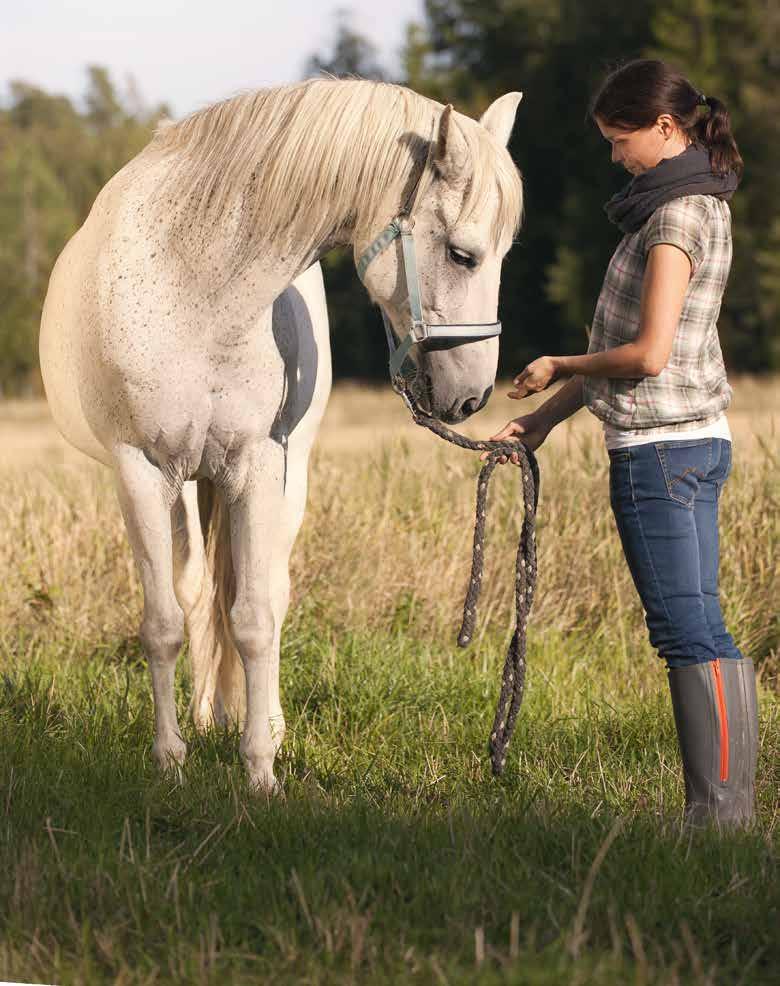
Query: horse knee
(162, 635)
(253, 631)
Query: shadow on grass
(392, 854)
(122, 867)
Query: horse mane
(295, 163)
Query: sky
(184, 52)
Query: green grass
(393, 852)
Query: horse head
(438, 288)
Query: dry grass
(388, 530)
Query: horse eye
(459, 257)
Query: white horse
(184, 343)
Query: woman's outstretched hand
(530, 430)
(537, 376)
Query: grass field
(393, 856)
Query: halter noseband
(419, 330)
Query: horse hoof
(170, 754)
(262, 780)
(269, 788)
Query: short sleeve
(683, 223)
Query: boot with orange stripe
(716, 715)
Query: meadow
(392, 855)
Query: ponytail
(713, 132)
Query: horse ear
(452, 152)
(499, 117)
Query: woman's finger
(506, 432)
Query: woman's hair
(637, 93)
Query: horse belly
(60, 350)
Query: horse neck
(276, 261)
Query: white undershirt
(620, 438)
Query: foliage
(54, 157)
(352, 54)
(733, 52)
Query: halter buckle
(419, 331)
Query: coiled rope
(513, 677)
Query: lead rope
(513, 677)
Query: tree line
(55, 156)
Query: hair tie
(702, 99)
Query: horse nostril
(473, 404)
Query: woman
(654, 376)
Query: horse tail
(224, 668)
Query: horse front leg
(145, 498)
(254, 518)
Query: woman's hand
(530, 429)
(537, 376)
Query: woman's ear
(666, 125)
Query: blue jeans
(664, 496)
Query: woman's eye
(459, 257)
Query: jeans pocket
(724, 466)
(685, 464)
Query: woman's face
(639, 150)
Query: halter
(419, 330)
(513, 678)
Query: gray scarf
(688, 173)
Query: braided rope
(513, 677)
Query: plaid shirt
(693, 386)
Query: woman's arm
(665, 281)
(564, 402)
(532, 429)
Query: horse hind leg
(205, 588)
(145, 498)
(194, 588)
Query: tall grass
(387, 541)
(393, 855)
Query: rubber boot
(716, 715)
